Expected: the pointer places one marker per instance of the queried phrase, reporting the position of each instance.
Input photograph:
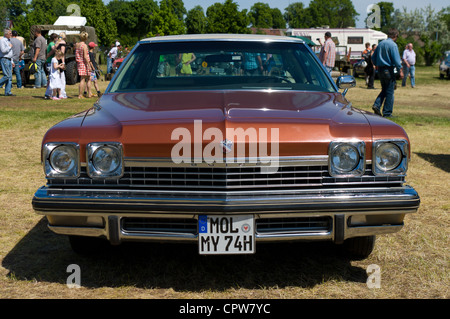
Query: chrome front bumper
(350, 212)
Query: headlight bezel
(92, 170)
(360, 165)
(401, 168)
(52, 172)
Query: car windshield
(221, 65)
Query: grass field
(414, 262)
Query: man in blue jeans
(40, 55)
(386, 57)
(18, 49)
(6, 62)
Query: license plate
(226, 234)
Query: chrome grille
(233, 178)
(263, 225)
(293, 225)
(160, 225)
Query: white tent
(70, 21)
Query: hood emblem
(227, 146)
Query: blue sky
(360, 5)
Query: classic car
(225, 160)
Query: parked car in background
(444, 67)
(225, 156)
(116, 64)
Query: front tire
(359, 247)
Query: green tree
(39, 12)
(122, 12)
(14, 10)
(386, 11)
(145, 10)
(297, 16)
(46, 11)
(260, 15)
(176, 6)
(196, 21)
(166, 21)
(134, 19)
(430, 50)
(226, 18)
(278, 21)
(445, 16)
(3, 10)
(386, 16)
(99, 17)
(334, 13)
(429, 26)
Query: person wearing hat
(18, 50)
(94, 68)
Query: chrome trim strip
(359, 231)
(47, 200)
(220, 37)
(319, 160)
(225, 193)
(78, 231)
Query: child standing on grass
(56, 74)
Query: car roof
(222, 37)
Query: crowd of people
(382, 58)
(49, 59)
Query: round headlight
(106, 159)
(388, 156)
(345, 157)
(63, 159)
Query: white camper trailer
(354, 39)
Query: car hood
(150, 124)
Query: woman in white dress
(56, 74)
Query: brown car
(225, 141)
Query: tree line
(426, 28)
(132, 20)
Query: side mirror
(345, 82)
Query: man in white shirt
(111, 56)
(6, 55)
(409, 61)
